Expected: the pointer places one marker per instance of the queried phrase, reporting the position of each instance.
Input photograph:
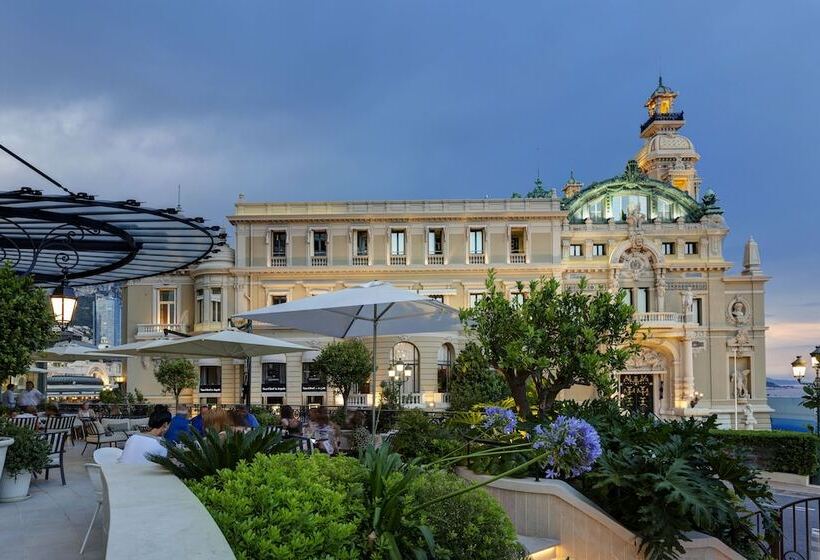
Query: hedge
(776, 450)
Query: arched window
(445, 366)
(408, 355)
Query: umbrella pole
(373, 375)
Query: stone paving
(52, 523)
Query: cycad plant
(201, 455)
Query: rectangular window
(311, 380)
(319, 243)
(598, 250)
(274, 377)
(314, 401)
(690, 248)
(627, 296)
(517, 242)
(435, 242)
(668, 247)
(276, 299)
(697, 309)
(361, 243)
(167, 311)
(475, 297)
(279, 240)
(216, 304)
(200, 305)
(210, 379)
(438, 298)
(643, 300)
(275, 401)
(596, 210)
(476, 241)
(576, 250)
(397, 238)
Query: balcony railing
(518, 258)
(662, 117)
(435, 259)
(279, 261)
(357, 399)
(318, 261)
(411, 399)
(157, 330)
(659, 318)
(398, 260)
(361, 260)
(476, 258)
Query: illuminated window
(625, 204)
(576, 250)
(167, 309)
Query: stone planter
(5, 443)
(15, 488)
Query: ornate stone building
(647, 231)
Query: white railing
(279, 261)
(411, 398)
(318, 261)
(399, 260)
(435, 259)
(361, 260)
(659, 318)
(157, 330)
(357, 399)
(518, 258)
(476, 258)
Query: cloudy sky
(353, 100)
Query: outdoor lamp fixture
(399, 366)
(695, 399)
(799, 369)
(63, 304)
(391, 373)
(799, 372)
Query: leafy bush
(29, 452)
(203, 455)
(780, 451)
(471, 526)
(473, 381)
(419, 437)
(289, 506)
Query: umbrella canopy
(72, 351)
(375, 308)
(353, 312)
(133, 348)
(223, 344)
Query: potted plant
(27, 454)
(5, 442)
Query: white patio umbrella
(229, 343)
(372, 309)
(72, 351)
(133, 348)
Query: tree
(26, 322)
(473, 380)
(175, 376)
(344, 364)
(555, 339)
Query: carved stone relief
(738, 312)
(646, 360)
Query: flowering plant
(571, 446)
(500, 419)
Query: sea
(784, 398)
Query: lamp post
(799, 373)
(399, 373)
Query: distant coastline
(784, 397)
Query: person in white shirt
(9, 399)
(139, 446)
(30, 397)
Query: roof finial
(660, 80)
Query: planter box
(5, 443)
(15, 488)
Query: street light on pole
(799, 373)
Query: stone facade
(643, 231)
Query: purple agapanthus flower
(501, 419)
(570, 446)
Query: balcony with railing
(398, 260)
(360, 260)
(318, 261)
(359, 399)
(279, 261)
(411, 399)
(149, 331)
(435, 259)
(660, 319)
(662, 117)
(477, 258)
(518, 258)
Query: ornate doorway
(640, 384)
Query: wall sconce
(695, 399)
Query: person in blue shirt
(250, 419)
(179, 424)
(198, 421)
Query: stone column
(688, 385)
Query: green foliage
(474, 382)
(779, 451)
(344, 364)
(200, 456)
(471, 526)
(175, 376)
(555, 339)
(390, 394)
(811, 397)
(419, 437)
(116, 396)
(662, 479)
(26, 321)
(289, 506)
(29, 452)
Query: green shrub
(779, 451)
(201, 456)
(471, 526)
(29, 452)
(474, 382)
(289, 506)
(419, 437)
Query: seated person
(139, 446)
(237, 421)
(323, 432)
(85, 412)
(28, 412)
(198, 421)
(289, 422)
(52, 411)
(250, 419)
(179, 424)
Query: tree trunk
(518, 391)
(345, 396)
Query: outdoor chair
(63, 424)
(95, 475)
(96, 435)
(275, 429)
(107, 455)
(56, 452)
(304, 444)
(30, 423)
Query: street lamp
(799, 373)
(63, 304)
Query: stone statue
(749, 419)
(739, 311)
(687, 303)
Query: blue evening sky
(353, 100)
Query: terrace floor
(52, 523)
